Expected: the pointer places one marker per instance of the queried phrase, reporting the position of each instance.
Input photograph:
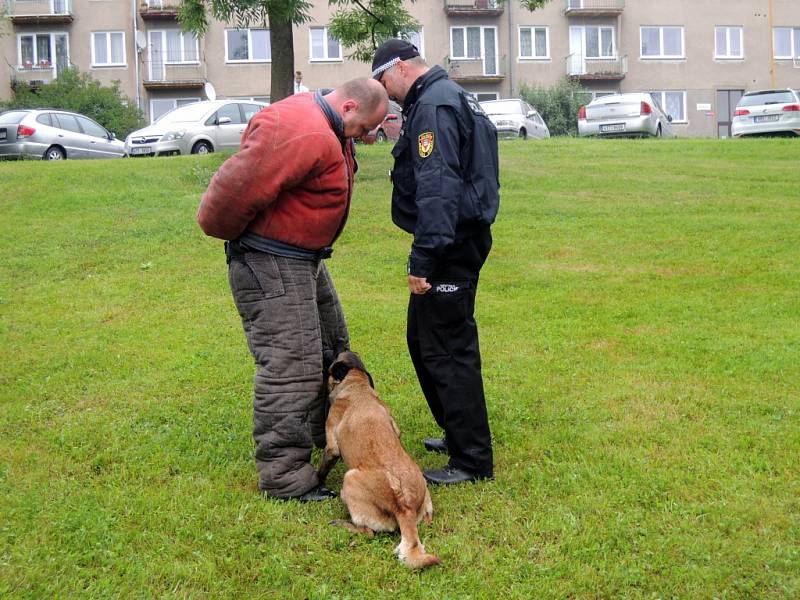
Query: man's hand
(418, 285)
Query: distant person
(446, 193)
(298, 83)
(281, 202)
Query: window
(231, 111)
(534, 42)
(592, 42)
(181, 47)
(108, 48)
(465, 42)
(416, 38)
(323, 46)
(786, 41)
(672, 103)
(92, 128)
(728, 42)
(159, 108)
(248, 45)
(662, 42)
(68, 122)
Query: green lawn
(640, 329)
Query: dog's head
(345, 362)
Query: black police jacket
(446, 173)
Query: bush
(79, 92)
(558, 105)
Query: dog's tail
(410, 550)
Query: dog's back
(383, 487)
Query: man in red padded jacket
(281, 202)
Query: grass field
(640, 328)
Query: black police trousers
(443, 343)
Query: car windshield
(183, 114)
(783, 97)
(12, 117)
(509, 107)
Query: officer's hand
(418, 285)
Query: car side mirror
(669, 118)
(112, 136)
(223, 120)
(530, 115)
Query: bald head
(362, 104)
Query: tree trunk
(282, 70)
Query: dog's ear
(339, 370)
(371, 382)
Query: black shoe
(449, 475)
(435, 445)
(317, 494)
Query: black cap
(389, 53)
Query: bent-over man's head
(362, 104)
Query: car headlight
(173, 135)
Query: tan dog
(383, 487)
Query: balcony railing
(33, 12)
(474, 8)
(36, 75)
(175, 76)
(588, 8)
(155, 10)
(580, 67)
(476, 70)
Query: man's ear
(349, 105)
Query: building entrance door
(726, 104)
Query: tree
(79, 92)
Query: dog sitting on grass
(383, 487)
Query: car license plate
(140, 150)
(766, 118)
(612, 127)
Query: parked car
(197, 128)
(51, 134)
(624, 115)
(515, 118)
(388, 129)
(767, 112)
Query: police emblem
(425, 144)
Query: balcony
(476, 8)
(173, 76)
(40, 12)
(597, 69)
(159, 10)
(475, 71)
(594, 8)
(33, 75)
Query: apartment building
(697, 57)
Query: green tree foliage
(79, 92)
(362, 25)
(558, 105)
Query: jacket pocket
(402, 174)
(266, 273)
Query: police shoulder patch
(425, 144)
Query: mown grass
(640, 328)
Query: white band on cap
(386, 66)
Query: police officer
(446, 193)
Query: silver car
(515, 118)
(767, 112)
(624, 115)
(55, 135)
(196, 128)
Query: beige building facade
(698, 57)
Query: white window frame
(249, 31)
(482, 57)
(33, 34)
(174, 101)
(729, 30)
(463, 29)
(662, 56)
(107, 35)
(532, 29)
(165, 47)
(794, 36)
(326, 34)
(660, 95)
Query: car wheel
(380, 136)
(54, 153)
(202, 148)
(523, 135)
(658, 132)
